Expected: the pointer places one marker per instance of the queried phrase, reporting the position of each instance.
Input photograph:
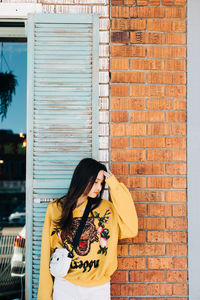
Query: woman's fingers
(107, 174)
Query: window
(13, 171)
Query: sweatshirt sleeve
(46, 281)
(125, 208)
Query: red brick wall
(148, 144)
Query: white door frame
(193, 146)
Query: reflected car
(18, 216)
(18, 257)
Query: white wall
(193, 133)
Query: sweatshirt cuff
(112, 181)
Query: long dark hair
(82, 181)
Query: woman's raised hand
(107, 174)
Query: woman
(95, 257)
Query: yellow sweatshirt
(95, 258)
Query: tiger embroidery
(89, 235)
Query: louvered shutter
(62, 115)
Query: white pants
(65, 290)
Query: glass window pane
(13, 65)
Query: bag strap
(80, 227)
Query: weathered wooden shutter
(62, 115)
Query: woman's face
(97, 186)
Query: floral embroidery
(102, 231)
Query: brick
(128, 24)
(119, 143)
(120, 169)
(159, 263)
(130, 77)
(160, 77)
(179, 155)
(119, 64)
(133, 289)
(180, 237)
(146, 250)
(159, 155)
(119, 90)
(180, 263)
(179, 78)
(176, 116)
(179, 26)
(141, 209)
(176, 38)
(147, 168)
(179, 103)
(140, 238)
(160, 182)
(159, 103)
(127, 51)
(120, 276)
(176, 169)
(128, 129)
(120, 37)
(115, 289)
(146, 64)
(175, 65)
(141, 2)
(179, 52)
(176, 142)
(176, 223)
(180, 289)
(159, 210)
(119, 116)
(113, 298)
(129, 2)
(124, 263)
(127, 155)
(180, 2)
(176, 276)
(119, 12)
(159, 129)
(126, 104)
(166, 52)
(147, 196)
(147, 276)
(174, 298)
(179, 182)
(147, 142)
(176, 196)
(133, 182)
(159, 237)
(122, 250)
(159, 25)
(178, 129)
(126, 241)
(167, 2)
(151, 223)
(175, 12)
(175, 91)
(117, 2)
(147, 12)
(147, 90)
(147, 38)
(179, 210)
(154, 2)
(147, 116)
(159, 289)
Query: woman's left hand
(107, 174)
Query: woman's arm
(124, 206)
(46, 282)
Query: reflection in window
(12, 178)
